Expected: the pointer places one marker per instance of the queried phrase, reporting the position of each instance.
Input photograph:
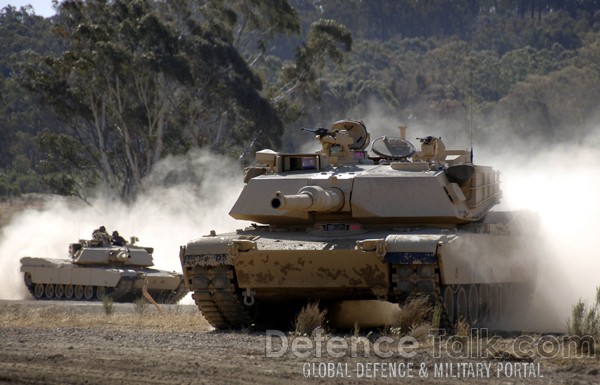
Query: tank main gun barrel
(310, 198)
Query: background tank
(96, 269)
(347, 224)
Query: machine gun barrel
(310, 198)
(319, 131)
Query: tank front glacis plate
(291, 261)
(297, 261)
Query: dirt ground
(76, 343)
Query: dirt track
(52, 343)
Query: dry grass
(309, 319)
(108, 305)
(421, 332)
(174, 318)
(584, 323)
(462, 333)
(411, 315)
(356, 329)
(462, 328)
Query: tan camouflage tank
(96, 269)
(350, 224)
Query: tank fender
(413, 248)
(236, 246)
(207, 251)
(372, 245)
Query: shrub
(107, 304)
(585, 323)
(309, 319)
(140, 305)
(412, 314)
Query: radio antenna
(471, 106)
(471, 94)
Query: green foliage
(259, 21)
(108, 88)
(22, 114)
(322, 44)
(67, 169)
(125, 79)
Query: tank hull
(471, 271)
(60, 279)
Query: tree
(22, 114)
(320, 48)
(130, 68)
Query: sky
(41, 7)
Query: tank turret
(393, 184)
(363, 220)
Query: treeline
(98, 94)
(383, 20)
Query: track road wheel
(49, 291)
(505, 304)
(484, 303)
(494, 304)
(88, 293)
(28, 280)
(78, 292)
(449, 303)
(473, 298)
(38, 293)
(462, 312)
(59, 291)
(68, 291)
(100, 292)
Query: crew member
(118, 240)
(101, 235)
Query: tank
(96, 268)
(364, 221)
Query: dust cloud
(184, 198)
(559, 182)
(188, 196)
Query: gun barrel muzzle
(310, 198)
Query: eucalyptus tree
(133, 82)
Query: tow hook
(249, 297)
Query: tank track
(218, 298)
(176, 295)
(409, 280)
